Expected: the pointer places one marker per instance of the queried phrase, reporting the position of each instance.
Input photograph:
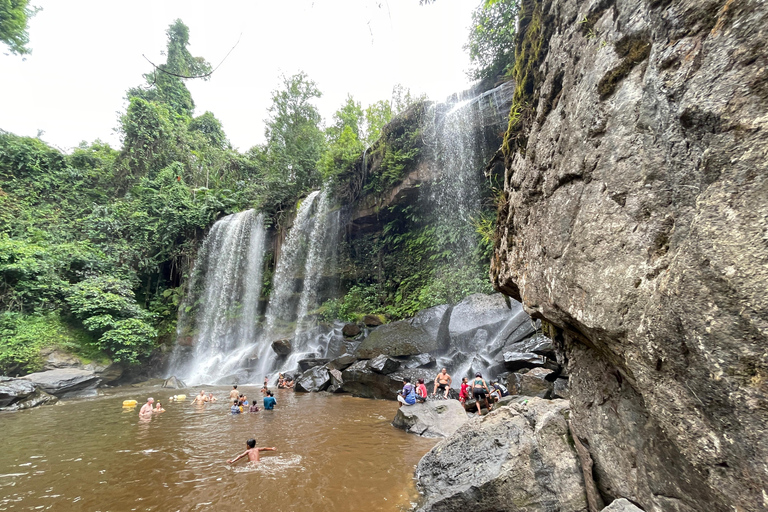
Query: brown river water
(334, 453)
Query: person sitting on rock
(443, 382)
(480, 391)
(408, 394)
(421, 391)
(289, 382)
(464, 392)
(280, 381)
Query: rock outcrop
(517, 458)
(65, 382)
(635, 226)
(425, 332)
(434, 418)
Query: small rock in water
(174, 383)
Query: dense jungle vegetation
(95, 244)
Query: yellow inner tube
(181, 397)
(129, 403)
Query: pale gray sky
(87, 53)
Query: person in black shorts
(443, 382)
(480, 392)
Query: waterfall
(219, 313)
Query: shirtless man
(252, 452)
(146, 409)
(443, 382)
(234, 395)
(201, 398)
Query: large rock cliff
(635, 224)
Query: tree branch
(206, 75)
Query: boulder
(517, 328)
(174, 383)
(311, 362)
(560, 389)
(517, 458)
(489, 312)
(384, 364)
(622, 505)
(419, 361)
(538, 344)
(14, 390)
(351, 330)
(55, 358)
(337, 381)
(342, 362)
(108, 374)
(282, 347)
(316, 378)
(39, 397)
(532, 383)
(434, 418)
(373, 320)
(425, 332)
(360, 380)
(65, 382)
(514, 361)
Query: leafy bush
(128, 340)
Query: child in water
(252, 452)
(235, 409)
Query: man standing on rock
(146, 409)
(443, 382)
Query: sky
(87, 53)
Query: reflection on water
(333, 453)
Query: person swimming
(251, 452)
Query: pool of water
(334, 452)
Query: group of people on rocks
(477, 389)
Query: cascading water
(219, 313)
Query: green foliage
(128, 340)
(211, 129)
(166, 83)
(377, 115)
(14, 16)
(491, 41)
(22, 337)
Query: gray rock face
(419, 361)
(14, 390)
(532, 383)
(516, 458)
(360, 380)
(39, 397)
(337, 381)
(65, 382)
(426, 332)
(306, 364)
(55, 358)
(342, 362)
(560, 389)
(316, 378)
(514, 361)
(635, 223)
(174, 383)
(384, 364)
(621, 505)
(489, 312)
(435, 418)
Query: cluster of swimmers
(477, 389)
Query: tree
(376, 116)
(14, 16)
(166, 83)
(294, 138)
(491, 40)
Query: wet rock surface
(425, 332)
(516, 458)
(65, 382)
(14, 390)
(282, 347)
(434, 418)
(635, 226)
(622, 505)
(173, 383)
(314, 379)
(536, 382)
